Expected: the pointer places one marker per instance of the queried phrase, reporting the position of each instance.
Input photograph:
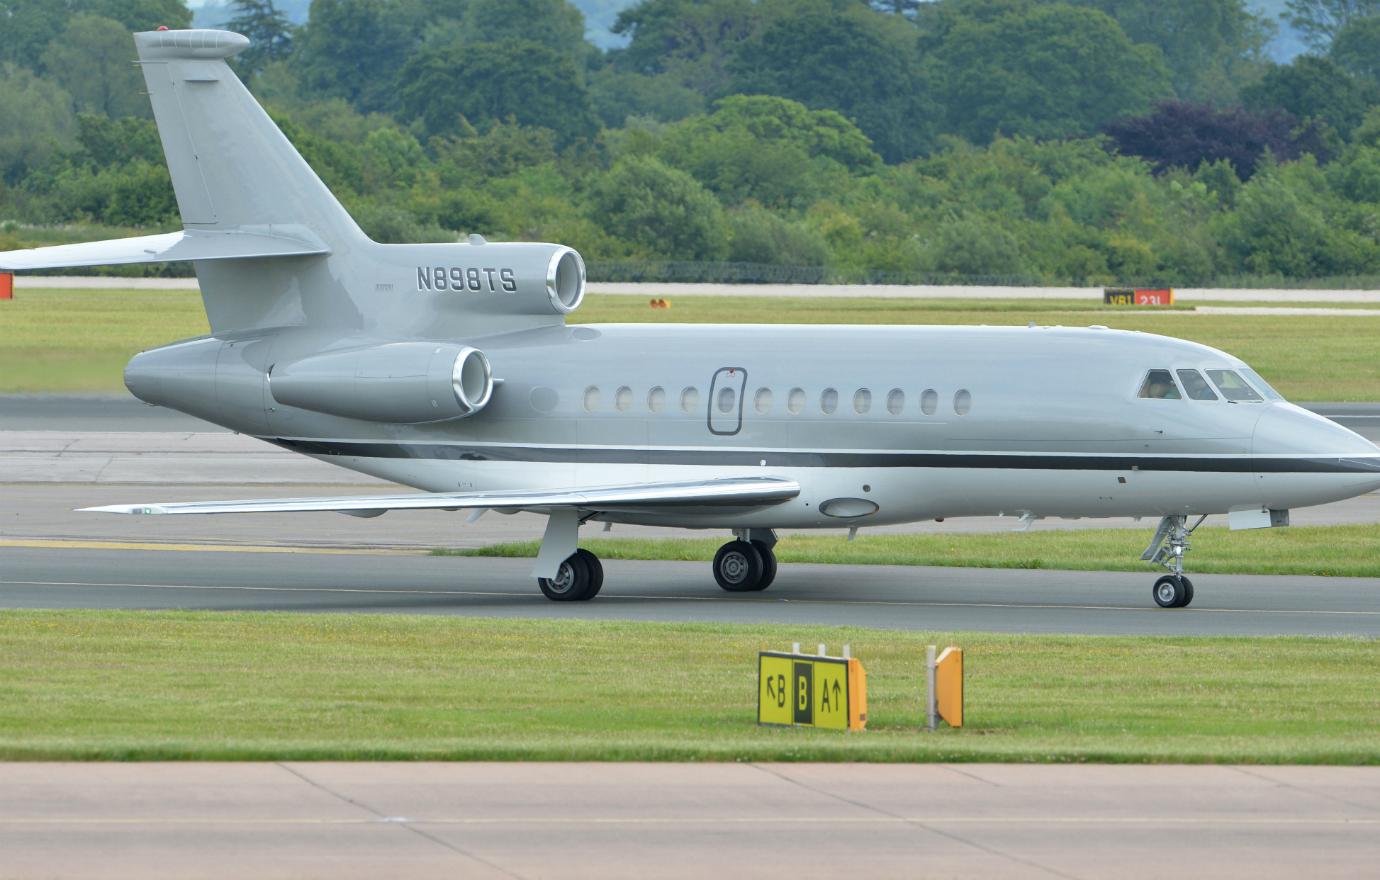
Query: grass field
(89, 685)
(1318, 550)
(79, 340)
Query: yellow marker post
(800, 690)
(945, 679)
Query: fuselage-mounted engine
(398, 382)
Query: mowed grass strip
(1350, 550)
(89, 685)
(80, 340)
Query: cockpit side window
(1232, 386)
(1196, 386)
(1159, 385)
(1261, 385)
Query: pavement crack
(964, 773)
(1305, 790)
(957, 838)
(405, 824)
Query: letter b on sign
(804, 691)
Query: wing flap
(729, 492)
(191, 244)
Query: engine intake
(399, 382)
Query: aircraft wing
(728, 492)
(187, 245)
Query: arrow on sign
(836, 692)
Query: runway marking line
(78, 544)
(716, 820)
(636, 597)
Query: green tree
(269, 31)
(756, 235)
(552, 23)
(618, 94)
(30, 25)
(1042, 70)
(1312, 88)
(690, 39)
(353, 49)
(93, 59)
(1357, 48)
(1320, 21)
(43, 121)
(828, 60)
(773, 150)
(1206, 43)
(484, 83)
(662, 210)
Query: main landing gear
(1167, 548)
(579, 578)
(747, 564)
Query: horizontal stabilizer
(230, 244)
(732, 492)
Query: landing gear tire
(1173, 591)
(596, 571)
(739, 567)
(768, 565)
(576, 580)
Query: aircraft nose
(1285, 429)
(1302, 459)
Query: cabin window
(828, 401)
(656, 399)
(1196, 386)
(795, 401)
(862, 401)
(929, 402)
(762, 401)
(963, 402)
(727, 398)
(690, 401)
(1260, 384)
(1232, 386)
(622, 399)
(1159, 385)
(896, 402)
(591, 398)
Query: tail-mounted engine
(512, 278)
(399, 382)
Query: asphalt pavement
(887, 597)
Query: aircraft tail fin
(259, 224)
(230, 165)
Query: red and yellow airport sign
(798, 690)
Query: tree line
(1080, 141)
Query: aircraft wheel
(596, 571)
(768, 565)
(738, 567)
(574, 581)
(1171, 591)
(1188, 591)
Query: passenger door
(726, 401)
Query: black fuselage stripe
(754, 458)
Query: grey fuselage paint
(1053, 425)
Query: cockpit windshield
(1232, 386)
(1260, 384)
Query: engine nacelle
(505, 278)
(400, 382)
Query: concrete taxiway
(686, 820)
(55, 575)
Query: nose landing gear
(1167, 548)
